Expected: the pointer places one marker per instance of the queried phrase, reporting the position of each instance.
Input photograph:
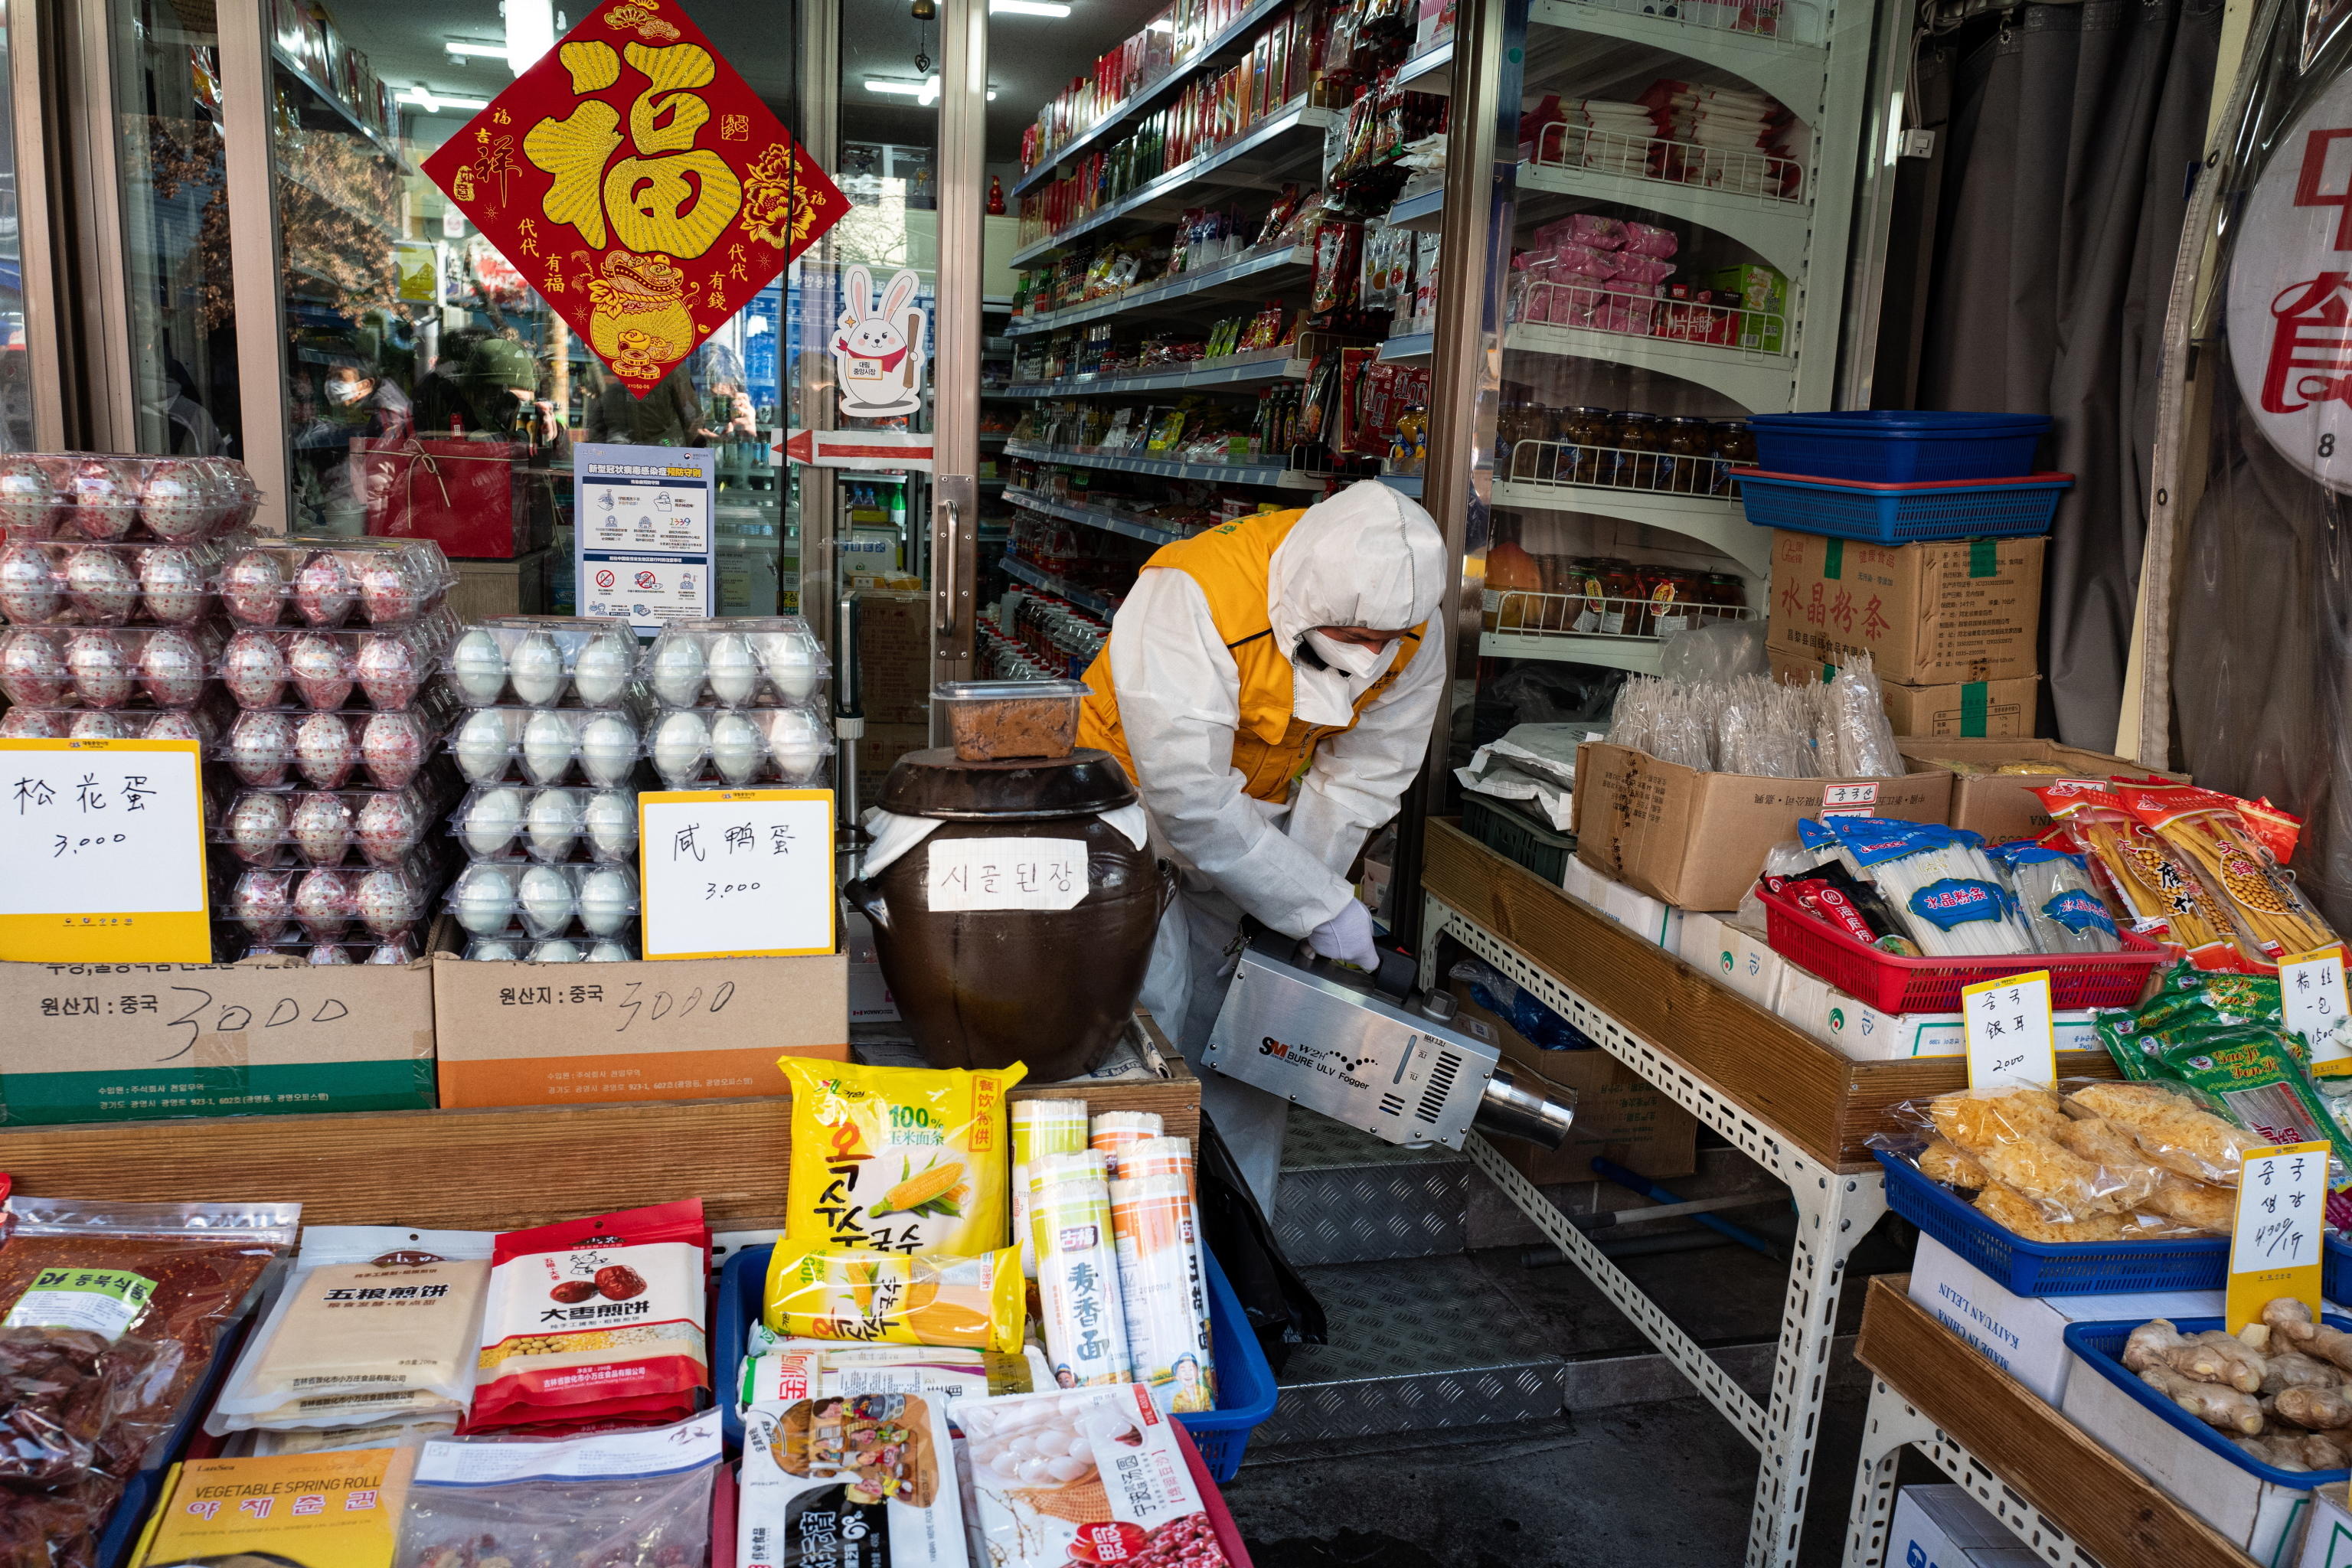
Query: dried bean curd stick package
(2163, 897)
(1077, 1271)
(908, 1160)
(1113, 1130)
(376, 1323)
(930, 1298)
(1040, 1127)
(2272, 921)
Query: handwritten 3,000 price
(69, 845)
(722, 889)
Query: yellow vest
(1271, 748)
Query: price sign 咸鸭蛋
(103, 860)
(2275, 1247)
(2011, 1040)
(733, 873)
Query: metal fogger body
(1363, 1049)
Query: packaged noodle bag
(908, 1160)
(926, 1299)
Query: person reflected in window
(668, 416)
(442, 406)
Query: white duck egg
(483, 740)
(555, 951)
(607, 898)
(731, 669)
(536, 668)
(610, 952)
(547, 901)
(548, 740)
(483, 899)
(601, 671)
(492, 821)
(608, 748)
(493, 952)
(477, 667)
(796, 739)
(554, 823)
(737, 748)
(791, 662)
(677, 670)
(611, 822)
(679, 742)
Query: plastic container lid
(1006, 690)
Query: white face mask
(341, 392)
(1352, 660)
(1329, 695)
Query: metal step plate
(1348, 1198)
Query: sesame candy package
(909, 1160)
(596, 1320)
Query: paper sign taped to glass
(639, 185)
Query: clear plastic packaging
(321, 667)
(1865, 740)
(270, 902)
(552, 824)
(490, 899)
(328, 582)
(400, 947)
(735, 662)
(326, 828)
(84, 496)
(621, 947)
(107, 667)
(549, 745)
(645, 1501)
(989, 720)
(60, 582)
(535, 661)
(2060, 902)
(741, 746)
(327, 750)
(199, 724)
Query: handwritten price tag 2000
(2011, 1040)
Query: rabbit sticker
(879, 351)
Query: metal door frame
(961, 164)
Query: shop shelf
(1222, 281)
(1778, 230)
(1084, 599)
(1245, 1385)
(1219, 473)
(1093, 516)
(1517, 836)
(1422, 213)
(1899, 448)
(1257, 160)
(1254, 371)
(334, 103)
(1899, 514)
(1638, 655)
(1789, 69)
(1432, 70)
(2051, 1268)
(1146, 99)
(1716, 521)
(1760, 383)
(1404, 484)
(1411, 348)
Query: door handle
(947, 545)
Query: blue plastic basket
(2051, 1267)
(2100, 1347)
(2334, 1267)
(1246, 1386)
(1897, 449)
(1901, 514)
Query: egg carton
(490, 899)
(621, 947)
(54, 583)
(741, 661)
(104, 499)
(329, 583)
(272, 903)
(402, 947)
(328, 750)
(327, 827)
(107, 667)
(201, 725)
(736, 747)
(544, 661)
(601, 746)
(321, 667)
(552, 825)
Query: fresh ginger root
(2284, 1369)
(2278, 1453)
(2316, 1409)
(2151, 1344)
(2291, 1321)
(2226, 1408)
(2215, 1356)
(2318, 1450)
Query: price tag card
(103, 859)
(2312, 987)
(2274, 1249)
(730, 873)
(2009, 1038)
(1006, 873)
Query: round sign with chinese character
(2291, 293)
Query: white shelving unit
(1216, 283)
(1221, 473)
(1254, 371)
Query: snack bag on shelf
(906, 1160)
(2272, 921)
(867, 1477)
(818, 1291)
(2165, 898)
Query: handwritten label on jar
(969, 874)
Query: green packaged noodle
(2253, 1075)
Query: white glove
(1347, 937)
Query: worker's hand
(1347, 937)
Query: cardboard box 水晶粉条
(2003, 805)
(1697, 840)
(128, 1042)
(2327, 1539)
(604, 1034)
(1926, 613)
(1619, 1116)
(1961, 708)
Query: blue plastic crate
(2051, 1267)
(2334, 1267)
(2100, 1346)
(1893, 447)
(1246, 1386)
(1901, 514)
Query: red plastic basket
(1894, 985)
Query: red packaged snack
(596, 1320)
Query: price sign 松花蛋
(104, 857)
(2311, 989)
(2275, 1248)
(731, 873)
(2010, 1036)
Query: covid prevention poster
(642, 547)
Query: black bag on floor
(1281, 1308)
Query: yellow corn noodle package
(904, 1160)
(820, 1292)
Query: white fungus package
(375, 1323)
(867, 1478)
(1082, 1475)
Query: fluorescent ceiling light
(530, 32)
(433, 102)
(1027, 8)
(925, 92)
(466, 49)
